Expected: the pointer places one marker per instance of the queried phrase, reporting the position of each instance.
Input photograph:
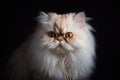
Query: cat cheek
(51, 40)
(69, 39)
(46, 38)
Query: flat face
(63, 31)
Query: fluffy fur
(41, 58)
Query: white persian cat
(62, 48)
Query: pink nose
(60, 38)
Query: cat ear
(43, 17)
(80, 18)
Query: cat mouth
(60, 45)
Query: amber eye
(51, 34)
(69, 35)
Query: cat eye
(69, 35)
(51, 34)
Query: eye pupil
(69, 35)
(51, 34)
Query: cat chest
(65, 66)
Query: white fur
(75, 60)
(80, 53)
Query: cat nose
(60, 38)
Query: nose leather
(60, 38)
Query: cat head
(63, 32)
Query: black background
(104, 14)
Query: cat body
(62, 48)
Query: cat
(61, 48)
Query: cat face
(62, 32)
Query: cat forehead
(61, 22)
